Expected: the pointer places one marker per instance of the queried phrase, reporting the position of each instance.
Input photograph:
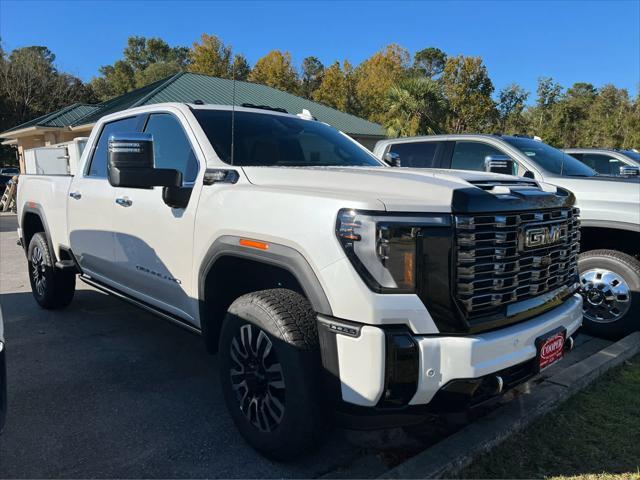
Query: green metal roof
(188, 87)
(61, 118)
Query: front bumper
(357, 360)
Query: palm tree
(416, 106)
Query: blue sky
(597, 42)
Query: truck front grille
(501, 259)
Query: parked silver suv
(610, 211)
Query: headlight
(383, 247)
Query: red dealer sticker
(550, 349)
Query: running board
(140, 304)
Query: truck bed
(50, 192)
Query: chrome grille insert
(495, 267)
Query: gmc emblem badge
(541, 236)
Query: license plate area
(550, 347)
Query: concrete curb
(460, 449)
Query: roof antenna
(233, 109)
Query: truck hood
(399, 189)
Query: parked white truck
(326, 281)
(609, 261)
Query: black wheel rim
(256, 378)
(37, 271)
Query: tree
(337, 89)
(142, 52)
(468, 88)
(312, 71)
(429, 62)
(116, 79)
(241, 68)
(416, 106)
(548, 93)
(511, 105)
(155, 72)
(276, 70)
(375, 76)
(566, 124)
(31, 86)
(145, 60)
(606, 124)
(211, 57)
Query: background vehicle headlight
(383, 247)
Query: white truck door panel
(90, 212)
(91, 225)
(154, 242)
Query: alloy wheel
(38, 271)
(256, 378)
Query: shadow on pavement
(102, 389)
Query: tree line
(424, 93)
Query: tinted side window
(603, 164)
(98, 166)
(417, 155)
(171, 147)
(471, 155)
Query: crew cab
(609, 261)
(330, 285)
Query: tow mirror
(629, 171)
(392, 159)
(498, 164)
(131, 163)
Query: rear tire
(52, 288)
(610, 282)
(270, 370)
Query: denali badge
(537, 236)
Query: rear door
(90, 212)
(419, 154)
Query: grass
(595, 435)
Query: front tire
(270, 371)
(610, 287)
(52, 288)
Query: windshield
(262, 139)
(551, 159)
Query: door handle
(75, 195)
(124, 201)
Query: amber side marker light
(254, 244)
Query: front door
(90, 213)
(154, 242)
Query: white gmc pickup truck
(329, 283)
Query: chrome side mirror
(131, 163)
(499, 164)
(392, 159)
(629, 171)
